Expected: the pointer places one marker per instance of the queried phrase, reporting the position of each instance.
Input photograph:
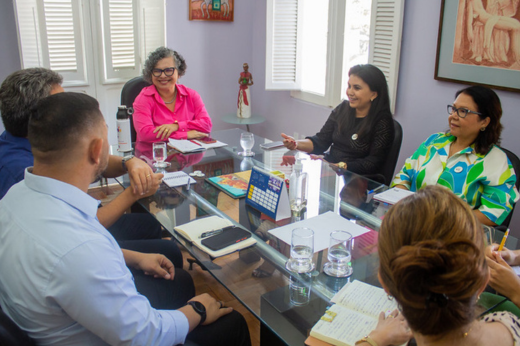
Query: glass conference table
(287, 304)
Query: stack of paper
(392, 196)
(322, 225)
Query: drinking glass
(247, 141)
(300, 289)
(339, 255)
(159, 154)
(302, 250)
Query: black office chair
(130, 90)
(389, 166)
(11, 334)
(515, 161)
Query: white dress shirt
(63, 277)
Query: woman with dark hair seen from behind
(466, 158)
(432, 262)
(360, 131)
(166, 109)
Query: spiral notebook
(175, 179)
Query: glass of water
(247, 141)
(302, 251)
(339, 255)
(159, 154)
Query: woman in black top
(360, 131)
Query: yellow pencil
(503, 242)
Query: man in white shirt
(64, 278)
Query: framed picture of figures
(479, 43)
(212, 10)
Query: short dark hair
(61, 119)
(488, 105)
(159, 54)
(380, 106)
(20, 92)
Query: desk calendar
(267, 193)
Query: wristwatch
(124, 160)
(200, 309)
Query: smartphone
(207, 140)
(229, 236)
(272, 145)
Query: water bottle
(298, 188)
(124, 135)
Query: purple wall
(214, 53)
(9, 57)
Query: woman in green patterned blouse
(466, 159)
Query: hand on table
(193, 134)
(214, 308)
(157, 265)
(392, 330)
(164, 131)
(289, 142)
(142, 179)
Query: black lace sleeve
(381, 142)
(323, 139)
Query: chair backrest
(11, 334)
(389, 166)
(515, 161)
(130, 90)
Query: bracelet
(367, 339)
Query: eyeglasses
(461, 112)
(169, 71)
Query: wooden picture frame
(211, 10)
(483, 51)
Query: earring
(371, 100)
(389, 297)
(482, 129)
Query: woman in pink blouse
(166, 109)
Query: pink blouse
(150, 111)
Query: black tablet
(229, 236)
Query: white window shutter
(283, 45)
(152, 21)
(29, 33)
(119, 32)
(385, 41)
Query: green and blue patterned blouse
(485, 182)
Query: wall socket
(296, 135)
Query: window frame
(384, 50)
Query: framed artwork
(212, 10)
(479, 43)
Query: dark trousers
(169, 295)
(142, 232)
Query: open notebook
(354, 315)
(175, 179)
(192, 231)
(193, 145)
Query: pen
(211, 233)
(188, 184)
(376, 189)
(503, 242)
(195, 142)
